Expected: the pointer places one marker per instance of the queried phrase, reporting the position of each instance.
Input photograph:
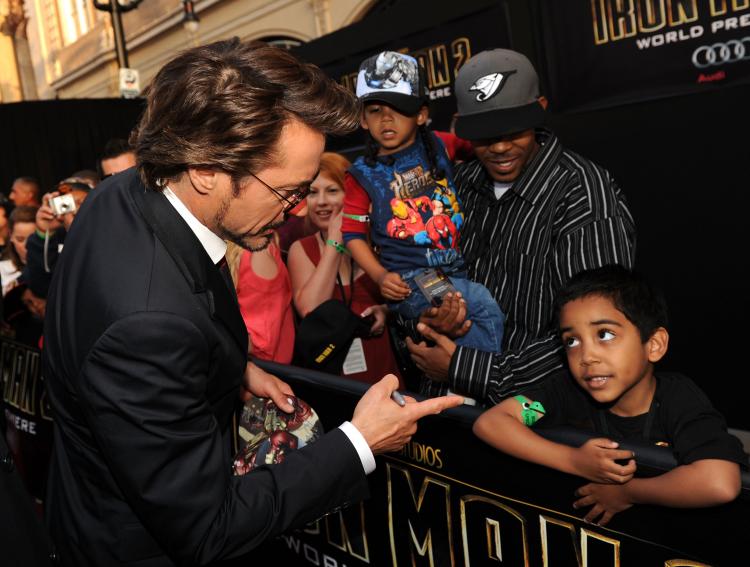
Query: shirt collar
(214, 246)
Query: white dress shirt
(216, 248)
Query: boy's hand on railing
(595, 460)
(392, 287)
(448, 319)
(606, 501)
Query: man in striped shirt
(536, 214)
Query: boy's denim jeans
(487, 320)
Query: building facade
(72, 47)
(17, 77)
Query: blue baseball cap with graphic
(393, 78)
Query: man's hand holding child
(449, 318)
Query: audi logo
(731, 51)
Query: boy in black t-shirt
(612, 324)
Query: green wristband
(531, 412)
(360, 218)
(340, 248)
(41, 234)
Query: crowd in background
(33, 225)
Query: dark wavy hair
(222, 106)
(641, 303)
(114, 147)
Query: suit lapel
(192, 260)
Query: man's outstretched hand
(387, 426)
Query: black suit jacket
(144, 353)
(22, 539)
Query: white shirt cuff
(363, 449)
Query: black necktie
(224, 269)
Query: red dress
(378, 353)
(266, 307)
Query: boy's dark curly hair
(642, 304)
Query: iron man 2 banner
(608, 52)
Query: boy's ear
(422, 116)
(656, 345)
(362, 121)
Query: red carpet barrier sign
(28, 420)
(446, 499)
(607, 52)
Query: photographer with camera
(53, 220)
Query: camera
(62, 205)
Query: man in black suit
(145, 348)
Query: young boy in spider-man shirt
(613, 327)
(403, 189)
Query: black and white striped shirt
(564, 214)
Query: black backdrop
(682, 161)
(50, 140)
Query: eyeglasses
(291, 200)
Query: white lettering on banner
(20, 423)
(311, 554)
(292, 543)
(731, 23)
(659, 39)
(445, 92)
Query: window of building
(76, 19)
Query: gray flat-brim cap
(497, 93)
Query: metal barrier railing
(654, 458)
